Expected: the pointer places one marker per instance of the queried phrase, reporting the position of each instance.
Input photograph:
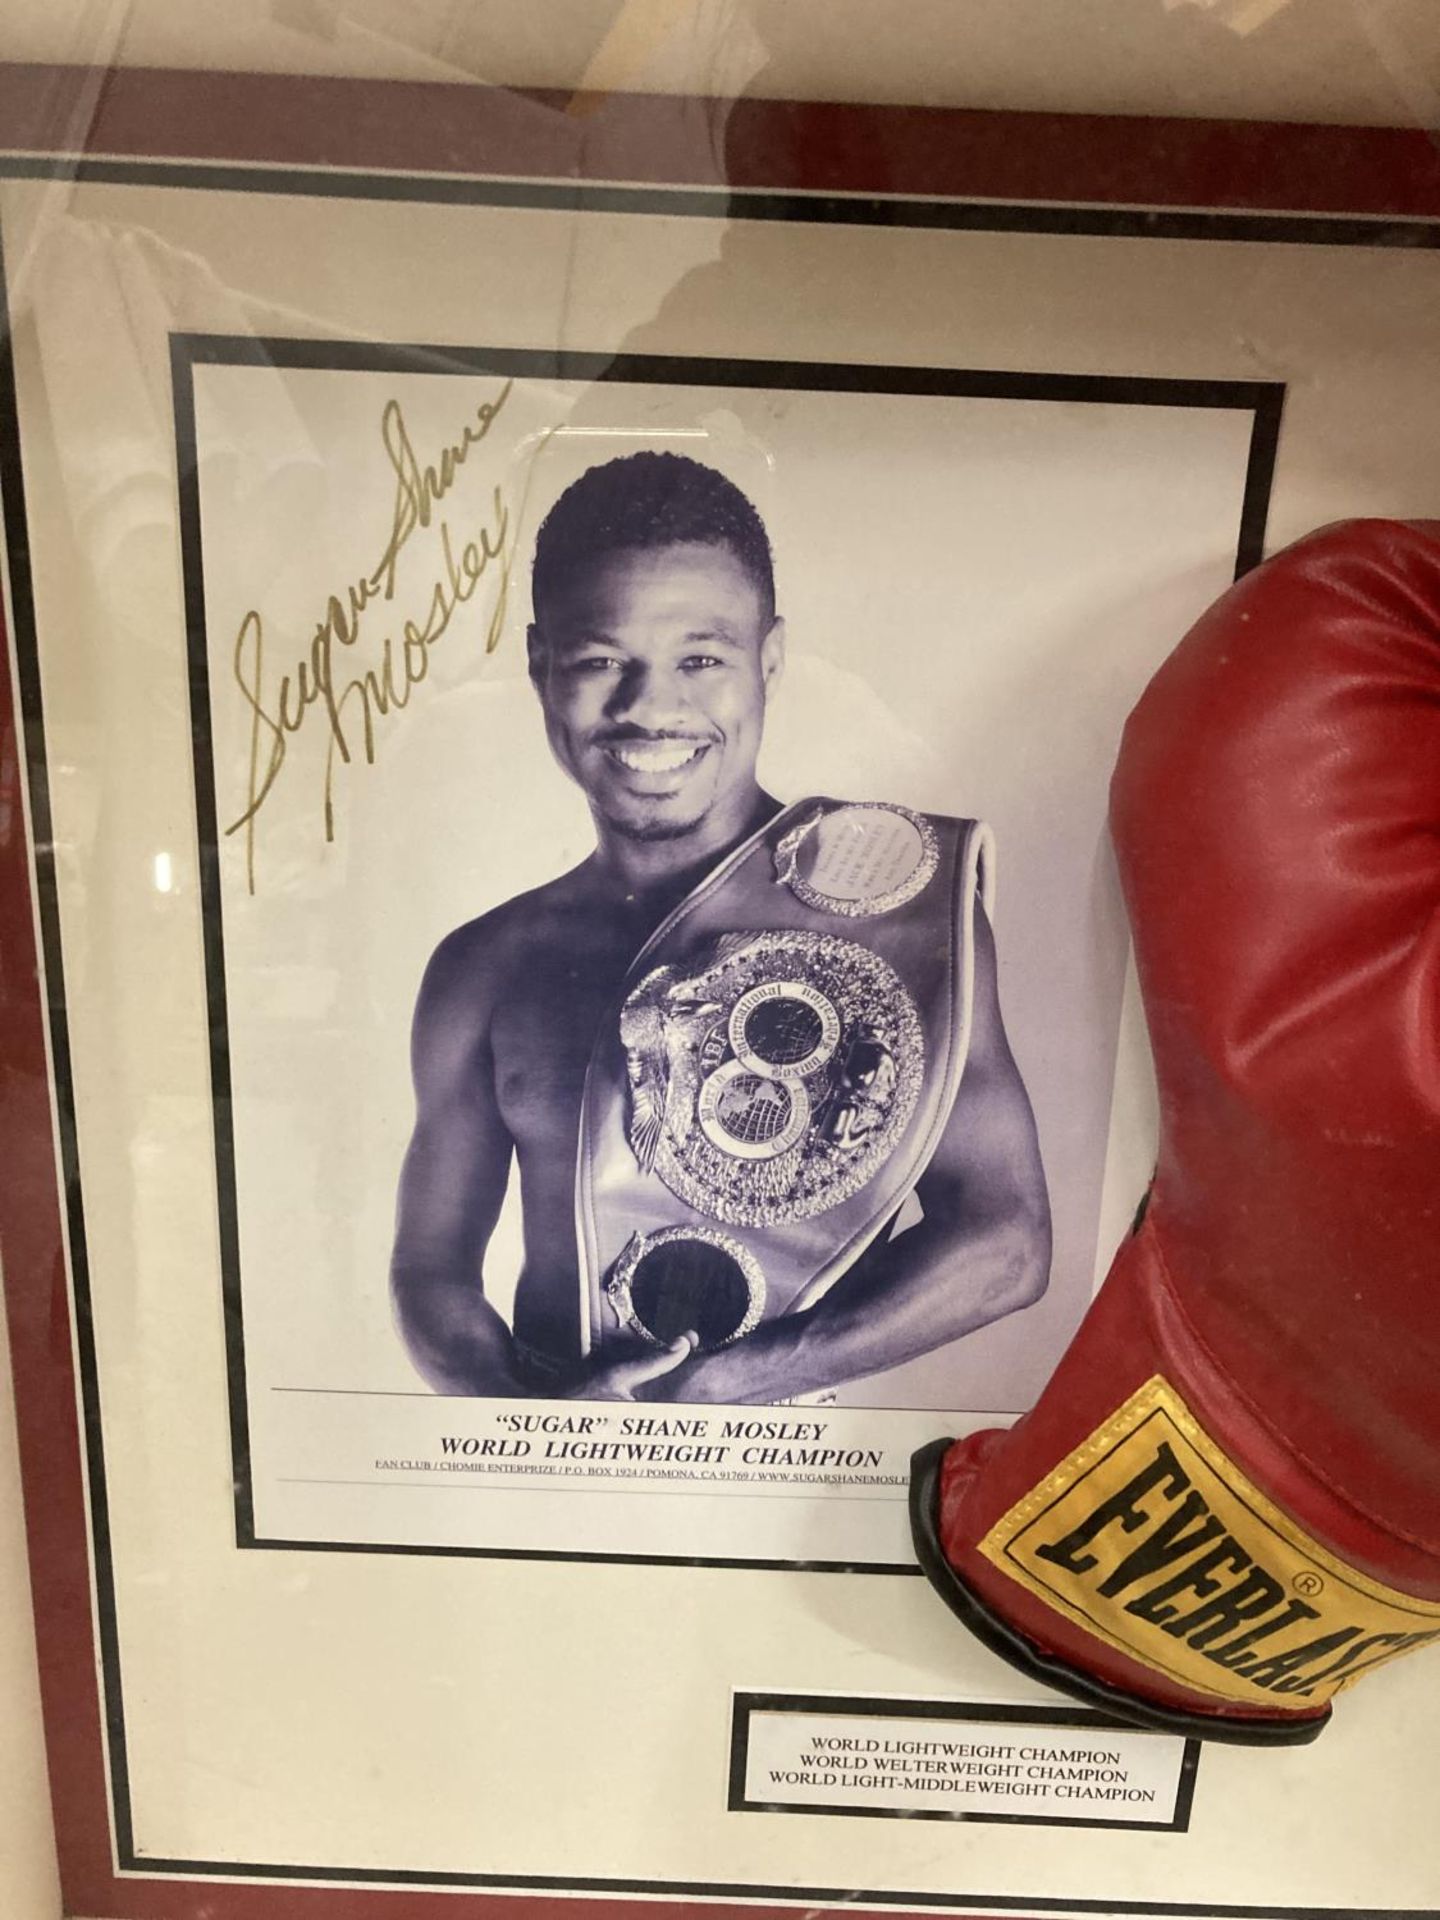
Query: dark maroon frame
(283, 120)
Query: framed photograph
(566, 1001)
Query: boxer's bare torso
(507, 1019)
(519, 998)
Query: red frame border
(56, 113)
(799, 146)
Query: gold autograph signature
(312, 683)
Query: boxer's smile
(653, 667)
(659, 759)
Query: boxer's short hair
(644, 501)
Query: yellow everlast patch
(1156, 1542)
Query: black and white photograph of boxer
(747, 1057)
(677, 1034)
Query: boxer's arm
(982, 1249)
(453, 1183)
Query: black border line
(947, 1712)
(1263, 399)
(815, 208)
(212, 925)
(706, 370)
(1259, 478)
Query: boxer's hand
(619, 1380)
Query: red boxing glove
(1226, 1505)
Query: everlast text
(1164, 1549)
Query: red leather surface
(1276, 816)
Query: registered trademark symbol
(1309, 1584)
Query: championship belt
(779, 1073)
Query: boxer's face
(653, 667)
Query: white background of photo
(974, 591)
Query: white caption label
(860, 1762)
